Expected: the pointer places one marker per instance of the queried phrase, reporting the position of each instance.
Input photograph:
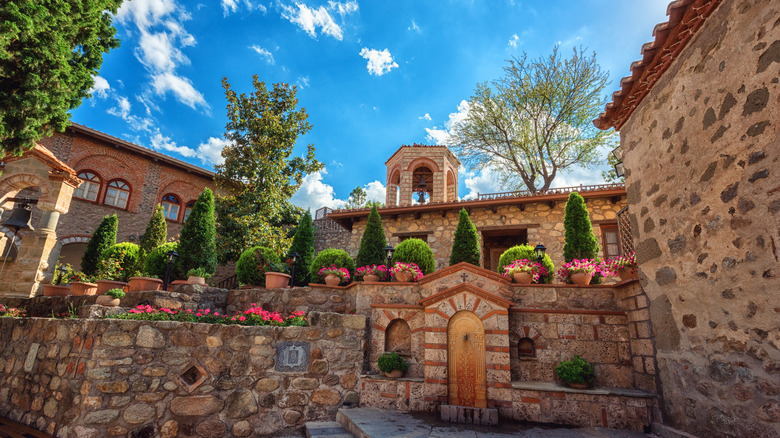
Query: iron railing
(322, 222)
(556, 191)
(228, 283)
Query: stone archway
(466, 360)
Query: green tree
(197, 243)
(303, 244)
(580, 243)
(375, 204)
(156, 232)
(103, 238)
(357, 198)
(536, 121)
(259, 176)
(465, 243)
(609, 175)
(49, 53)
(373, 242)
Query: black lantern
(618, 153)
(171, 258)
(63, 270)
(619, 170)
(540, 249)
(294, 258)
(389, 251)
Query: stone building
(700, 134)
(502, 219)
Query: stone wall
(702, 153)
(97, 378)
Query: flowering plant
(407, 267)
(535, 269)
(111, 269)
(78, 276)
(627, 261)
(12, 312)
(252, 316)
(341, 273)
(379, 270)
(59, 277)
(586, 266)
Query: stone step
(326, 429)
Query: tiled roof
(418, 145)
(58, 168)
(686, 17)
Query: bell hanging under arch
(20, 217)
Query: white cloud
(343, 8)
(375, 191)
(156, 52)
(414, 26)
(314, 194)
(310, 19)
(269, 57)
(482, 182)
(426, 116)
(146, 13)
(100, 88)
(379, 61)
(181, 87)
(229, 6)
(441, 135)
(513, 41)
(123, 109)
(160, 141)
(209, 152)
(303, 82)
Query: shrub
(392, 361)
(254, 263)
(526, 252)
(103, 237)
(198, 272)
(157, 262)
(120, 262)
(63, 278)
(415, 251)
(197, 244)
(156, 232)
(580, 243)
(373, 242)
(465, 243)
(411, 268)
(303, 244)
(577, 370)
(336, 257)
(116, 293)
(341, 273)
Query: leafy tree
(536, 120)
(303, 244)
(128, 257)
(197, 243)
(102, 239)
(373, 242)
(609, 175)
(258, 175)
(465, 243)
(580, 243)
(156, 232)
(357, 198)
(49, 53)
(375, 204)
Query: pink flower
(242, 318)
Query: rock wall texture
(702, 153)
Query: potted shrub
(331, 257)
(138, 284)
(60, 282)
(254, 263)
(198, 276)
(624, 266)
(415, 251)
(110, 298)
(80, 285)
(372, 273)
(527, 252)
(577, 373)
(277, 275)
(406, 272)
(111, 273)
(392, 365)
(525, 271)
(579, 272)
(334, 275)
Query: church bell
(20, 216)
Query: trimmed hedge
(337, 257)
(156, 261)
(253, 263)
(373, 242)
(579, 243)
(103, 237)
(465, 243)
(130, 260)
(197, 242)
(156, 232)
(303, 244)
(526, 252)
(415, 251)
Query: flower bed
(253, 316)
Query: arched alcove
(398, 337)
(526, 348)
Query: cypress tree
(197, 244)
(103, 238)
(373, 242)
(580, 242)
(465, 244)
(303, 244)
(156, 232)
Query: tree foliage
(373, 242)
(535, 121)
(102, 239)
(156, 232)
(49, 53)
(156, 262)
(465, 243)
(357, 198)
(197, 243)
(609, 175)
(303, 244)
(415, 251)
(259, 176)
(580, 243)
(254, 263)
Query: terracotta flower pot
(394, 374)
(78, 288)
(523, 278)
(404, 276)
(138, 284)
(332, 280)
(52, 290)
(196, 280)
(580, 278)
(104, 286)
(107, 300)
(626, 274)
(276, 280)
(371, 277)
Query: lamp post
(63, 270)
(540, 249)
(171, 257)
(294, 258)
(389, 252)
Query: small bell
(20, 216)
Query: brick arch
(529, 332)
(423, 161)
(182, 189)
(113, 168)
(12, 185)
(75, 238)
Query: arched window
(117, 194)
(398, 337)
(89, 188)
(526, 348)
(188, 210)
(171, 205)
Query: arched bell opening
(422, 185)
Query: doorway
(495, 242)
(467, 382)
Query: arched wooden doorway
(466, 360)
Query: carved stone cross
(464, 276)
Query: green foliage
(609, 175)
(336, 257)
(415, 251)
(465, 243)
(254, 316)
(156, 232)
(392, 361)
(374, 204)
(157, 262)
(198, 272)
(254, 263)
(373, 242)
(49, 53)
(577, 370)
(580, 243)
(197, 243)
(357, 198)
(120, 262)
(103, 237)
(62, 278)
(303, 244)
(526, 252)
(116, 293)
(259, 176)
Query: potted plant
(524, 271)
(80, 284)
(392, 365)
(112, 275)
(406, 272)
(110, 298)
(198, 276)
(577, 373)
(277, 274)
(333, 275)
(372, 273)
(137, 284)
(624, 266)
(579, 272)
(60, 281)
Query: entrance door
(466, 361)
(495, 242)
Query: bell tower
(421, 174)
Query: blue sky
(372, 75)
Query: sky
(372, 75)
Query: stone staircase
(326, 429)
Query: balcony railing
(555, 191)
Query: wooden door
(466, 361)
